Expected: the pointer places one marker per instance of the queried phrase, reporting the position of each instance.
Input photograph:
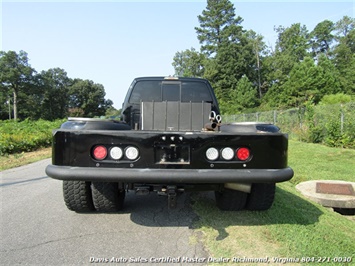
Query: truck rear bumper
(179, 176)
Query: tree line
(304, 66)
(247, 75)
(48, 95)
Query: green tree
(310, 82)
(217, 23)
(344, 26)
(329, 75)
(344, 53)
(322, 37)
(303, 67)
(55, 93)
(5, 103)
(293, 41)
(244, 97)
(259, 51)
(228, 47)
(189, 63)
(87, 99)
(291, 48)
(16, 76)
(31, 100)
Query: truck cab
(168, 89)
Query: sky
(112, 42)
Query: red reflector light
(100, 152)
(243, 154)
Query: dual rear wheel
(82, 196)
(260, 198)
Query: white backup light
(132, 153)
(116, 153)
(227, 153)
(212, 154)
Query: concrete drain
(339, 195)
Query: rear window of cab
(158, 91)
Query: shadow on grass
(198, 209)
(288, 208)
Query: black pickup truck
(170, 139)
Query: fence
(331, 124)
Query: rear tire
(261, 197)
(107, 197)
(230, 200)
(77, 196)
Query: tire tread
(230, 200)
(107, 197)
(77, 196)
(261, 197)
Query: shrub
(16, 137)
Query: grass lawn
(294, 227)
(19, 159)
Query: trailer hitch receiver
(171, 191)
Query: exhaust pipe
(210, 126)
(215, 122)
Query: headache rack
(174, 116)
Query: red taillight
(243, 154)
(99, 152)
